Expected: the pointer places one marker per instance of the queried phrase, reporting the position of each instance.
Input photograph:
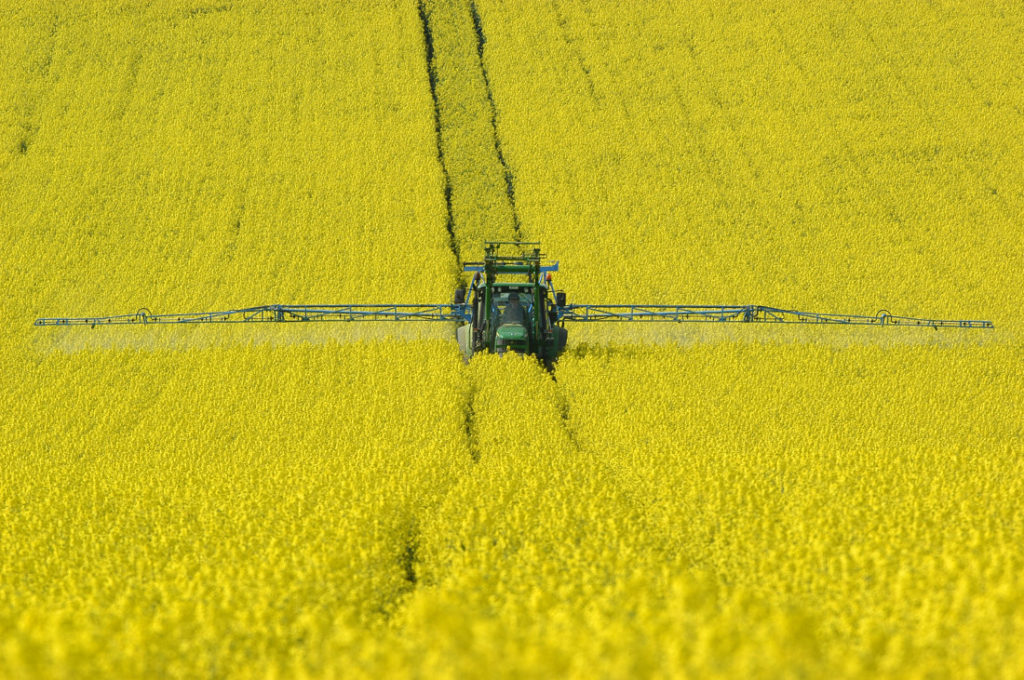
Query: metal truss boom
(747, 314)
(277, 313)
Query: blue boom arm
(277, 313)
(746, 314)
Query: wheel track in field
(479, 184)
(428, 41)
(480, 202)
(510, 187)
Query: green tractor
(513, 306)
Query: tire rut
(478, 179)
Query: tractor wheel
(460, 296)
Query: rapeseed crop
(833, 480)
(847, 158)
(214, 511)
(175, 503)
(188, 160)
(669, 502)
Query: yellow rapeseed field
(356, 501)
(822, 156)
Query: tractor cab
(511, 304)
(513, 323)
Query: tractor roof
(499, 259)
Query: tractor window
(500, 305)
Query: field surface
(345, 500)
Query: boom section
(747, 314)
(277, 314)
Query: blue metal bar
(747, 314)
(278, 313)
(553, 267)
